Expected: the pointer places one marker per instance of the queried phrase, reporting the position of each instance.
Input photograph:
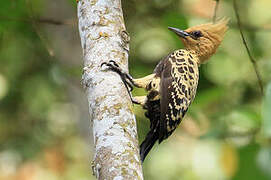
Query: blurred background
(44, 122)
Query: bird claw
(113, 62)
(124, 76)
(112, 65)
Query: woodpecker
(172, 86)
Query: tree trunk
(104, 38)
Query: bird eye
(196, 34)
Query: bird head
(203, 39)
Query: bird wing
(179, 80)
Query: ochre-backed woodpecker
(172, 86)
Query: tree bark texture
(103, 38)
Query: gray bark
(104, 38)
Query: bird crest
(203, 39)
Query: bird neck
(195, 55)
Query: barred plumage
(173, 84)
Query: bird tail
(147, 144)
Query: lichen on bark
(103, 38)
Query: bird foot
(112, 65)
(135, 101)
(126, 78)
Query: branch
(42, 37)
(70, 22)
(253, 61)
(104, 38)
(215, 11)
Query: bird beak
(179, 32)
